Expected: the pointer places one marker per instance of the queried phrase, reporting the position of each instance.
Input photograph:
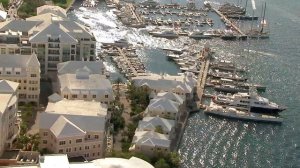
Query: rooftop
(76, 107)
(95, 67)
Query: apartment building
(24, 69)
(150, 143)
(51, 35)
(73, 127)
(8, 111)
(83, 84)
(183, 85)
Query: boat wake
(261, 53)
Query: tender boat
(199, 35)
(165, 34)
(252, 102)
(233, 113)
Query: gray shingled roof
(75, 30)
(52, 30)
(150, 123)
(96, 67)
(20, 25)
(66, 125)
(163, 104)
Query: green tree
(161, 163)
(174, 159)
(159, 129)
(118, 81)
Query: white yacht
(197, 35)
(165, 34)
(234, 113)
(249, 102)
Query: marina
(184, 58)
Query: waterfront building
(8, 113)
(150, 143)
(94, 67)
(24, 69)
(153, 123)
(183, 85)
(61, 161)
(164, 108)
(73, 127)
(83, 84)
(51, 35)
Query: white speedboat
(165, 34)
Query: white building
(183, 85)
(84, 85)
(74, 127)
(95, 67)
(8, 111)
(163, 108)
(24, 69)
(152, 123)
(51, 35)
(150, 143)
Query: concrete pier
(226, 20)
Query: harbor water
(214, 142)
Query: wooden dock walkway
(229, 22)
(202, 79)
(132, 10)
(122, 54)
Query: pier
(226, 20)
(122, 54)
(202, 76)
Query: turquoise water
(212, 142)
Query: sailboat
(260, 33)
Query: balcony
(53, 46)
(53, 39)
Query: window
(62, 142)
(32, 75)
(96, 136)
(84, 96)
(25, 81)
(24, 87)
(74, 96)
(98, 153)
(17, 73)
(66, 96)
(68, 150)
(75, 149)
(61, 151)
(94, 96)
(98, 145)
(78, 140)
(44, 141)
(45, 133)
(106, 96)
(70, 141)
(94, 146)
(79, 148)
(8, 72)
(87, 147)
(89, 136)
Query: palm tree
(118, 81)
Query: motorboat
(165, 34)
(230, 89)
(251, 102)
(197, 35)
(233, 113)
(218, 74)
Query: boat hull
(244, 118)
(265, 110)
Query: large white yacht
(249, 102)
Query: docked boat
(226, 66)
(165, 34)
(119, 43)
(243, 85)
(217, 74)
(233, 113)
(230, 89)
(249, 102)
(242, 17)
(150, 3)
(197, 35)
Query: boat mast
(263, 20)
